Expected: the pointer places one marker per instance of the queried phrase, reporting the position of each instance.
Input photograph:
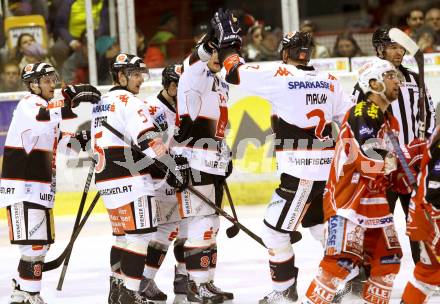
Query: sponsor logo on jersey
(293, 85)
(7, 190)
(46, 197)
(103, 108)
(391, 259)
(364, 130)
(152, 110)
(312, 99)
(215, 164)
(377, 221)
(282, 71)
(116, 190)
(310, 161)
(99, 120)
(335, 235)
(170, 191)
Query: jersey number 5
(100, 164)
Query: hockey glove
(179, 179)
(83, 137)
(44, 114)
(209, 41)
(227, 29)
(75, 94)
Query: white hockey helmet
(376, 69)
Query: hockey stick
(233, 230)
(77, 220)
(412, 47)
(190, 188)
(59, 260)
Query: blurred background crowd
(166, 31)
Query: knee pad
(138, 243)
(197, 255)
(274, 239)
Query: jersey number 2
(319, 129)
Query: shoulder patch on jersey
(370, 109)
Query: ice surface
(242, 263)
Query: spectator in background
(255, 50)
(70, 22)
(395, 13)
(414, 22)
(28, 50)
(141, 43)
(346, 46)
(319, 51)
(165, 34)
(425, 40)
(29, 7)
(10, 77)
(107, 48)
(75, 69)
(432, 19)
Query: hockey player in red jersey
(360, 223)
(123, 176)
(170, 225)
(29, 173)
(304, 104)
(424, 226)
(203, 116)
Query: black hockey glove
(83, 137)
(182, 169)
(227, 29)
(209, 41)
(81, 93)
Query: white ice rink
(242, 263)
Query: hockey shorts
(30, 224)
(137, 217)
(293, 200)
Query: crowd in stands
(63, 40)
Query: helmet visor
(394, 75)
(51, 77)
(140, 71)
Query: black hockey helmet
(170, 74)
(298, 44)
(127, 63)
(34, 71)
(381, 38)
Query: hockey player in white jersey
(27, 184)
(203, 116)
(170, 226)
(305, 102)
(122, 176)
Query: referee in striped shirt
(406, 110)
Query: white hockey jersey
(203, 116)
(164, 117)
(305, 102)
(29, 161)
(121, 174)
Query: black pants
(404, 201)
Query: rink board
(254, 176)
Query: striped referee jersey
(406, 110)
